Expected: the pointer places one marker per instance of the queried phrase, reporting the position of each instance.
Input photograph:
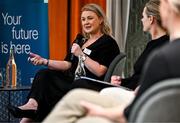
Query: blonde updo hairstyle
(152, 8)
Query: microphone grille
(79, 36)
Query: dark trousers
(48, 87)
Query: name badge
(87, 51)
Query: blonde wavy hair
(105, 27)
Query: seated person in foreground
(164, 63)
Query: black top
(133, 81)
(104, 50)
(162, 64)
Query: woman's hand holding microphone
(76, 50)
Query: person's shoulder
(109, 39)
(167, 51)
(171, 47)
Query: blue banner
(23, 26)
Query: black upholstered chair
(116, 67)
(160, 103)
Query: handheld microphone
(79, 40)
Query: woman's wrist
(83, 56)
(46, 62)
